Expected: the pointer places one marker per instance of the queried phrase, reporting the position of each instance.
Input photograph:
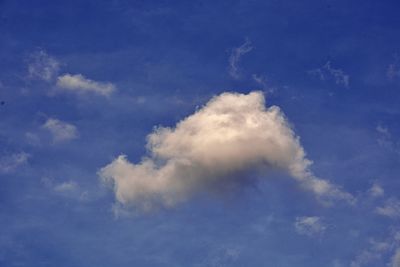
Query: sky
(200, 133)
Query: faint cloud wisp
(309, 226)
(327, 72)
(234, 58)
(42, 66)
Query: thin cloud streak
(235, 56)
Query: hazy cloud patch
(393, 70)
(376, 190)
(11, 162)
(69, 189)
(310, 226)
(377, 250)
(391, 208)
(60, 130)
(42, 66)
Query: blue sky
(211, 175)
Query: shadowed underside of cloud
(217, 148)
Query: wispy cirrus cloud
(79, 84)
(220, 147)
(262, 81)
(235, 56)
(327, 72)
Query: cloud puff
(235, 56)
(327, 72)
(310, 226)
(376, 190)
(42, 66)
(11, 162)
(60, 130)
(233, 139)
(391, 208)
(80, 84)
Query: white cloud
(235, 56)
(310, 226)
(391, 208)
(80, 84)
(376, 190)
(60, 130)
(12, 162)
(327, 72)
(42, 66)
(226, 144)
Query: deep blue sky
(333, 67)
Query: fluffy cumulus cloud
(80, 84)
(61, 131)
(226, 144)
(310, 226)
